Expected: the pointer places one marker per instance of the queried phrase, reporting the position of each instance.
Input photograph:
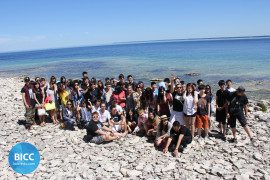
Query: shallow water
(241, 60)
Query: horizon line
(146, 42)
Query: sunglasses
(95, 116)
(69, 104)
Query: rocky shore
(64, 154)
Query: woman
(163, 101)
(100, 88)
(78, 98)
(69, 117)
(119, 95)
(130, 105)
(131, 120)
(163, 132)
(51, 93)
(137, 98)
(39, 99)
(190, 107)
(148, 100)
(151, 124)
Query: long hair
(160, 96)
(193, 89)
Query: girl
(131, 121)
(39, 99)
(163, 132)
(190, 107)
(129, 99)
(51, 93)
(151, 124)
(163, 100)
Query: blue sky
(32, 24)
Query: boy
(221, 107)
(180, 136)
(237, 103)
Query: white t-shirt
(94, 109)
(189, 105)
(104, 117)
(231, 89)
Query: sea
(239, 59)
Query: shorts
(97, 140)
(221, 116)
(177, 116)
(202, 122)
(193, 115)
(241, 118)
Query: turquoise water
(237, 59)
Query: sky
(32, 24)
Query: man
(84, 75)
(221, 107)
(229, 86)
(238, 110)
(107, 94)
(97, 133)
(118, 121)
(130, 82)
(29, 109)
(104, 114)
(154, 88)
(180, 136)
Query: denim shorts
(97, 140)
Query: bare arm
(24, 100)
(179, 141)
(172, 83)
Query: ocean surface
(238, 59)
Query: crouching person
(69, 117)
(163, 132)
(180, 137)
(98, 133)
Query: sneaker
(223, 138)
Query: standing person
(180, 137)
(137, 98)
(107, 93)
(148, 100)
(130, 105)
(229, 86)
(39, 98)
(78, 98)
(29, 109)
(221, 107)
(163, 102)
(122, 82)
(190, 107)
(131, 81)
(154, 88)
(178, 102)
(119, 95)
(203, 111)
(238, 110)
(85, 75)
(100, 88)
(85, 115)
(51, 99)
(69, 117)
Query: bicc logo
(24, 158)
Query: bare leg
(234, 132)
(248, 131)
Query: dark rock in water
(192, 74)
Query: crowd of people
(171, 113)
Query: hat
(241, 89)
(163, 117)
(26, 79)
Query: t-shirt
(177, 101)
(203, 105)
(116, 118)
(104, 117)
(183, 130)
(25, 90)
(221, 97)
(93, 127)
(237, 103)
(189, 104)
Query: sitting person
(143, 116)
(131, 121)
(151, 124)
(97, 133)
(179, 135)
(104, 114)
(117, 121)
(163, 132)
(85, 115)
(69, 117)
